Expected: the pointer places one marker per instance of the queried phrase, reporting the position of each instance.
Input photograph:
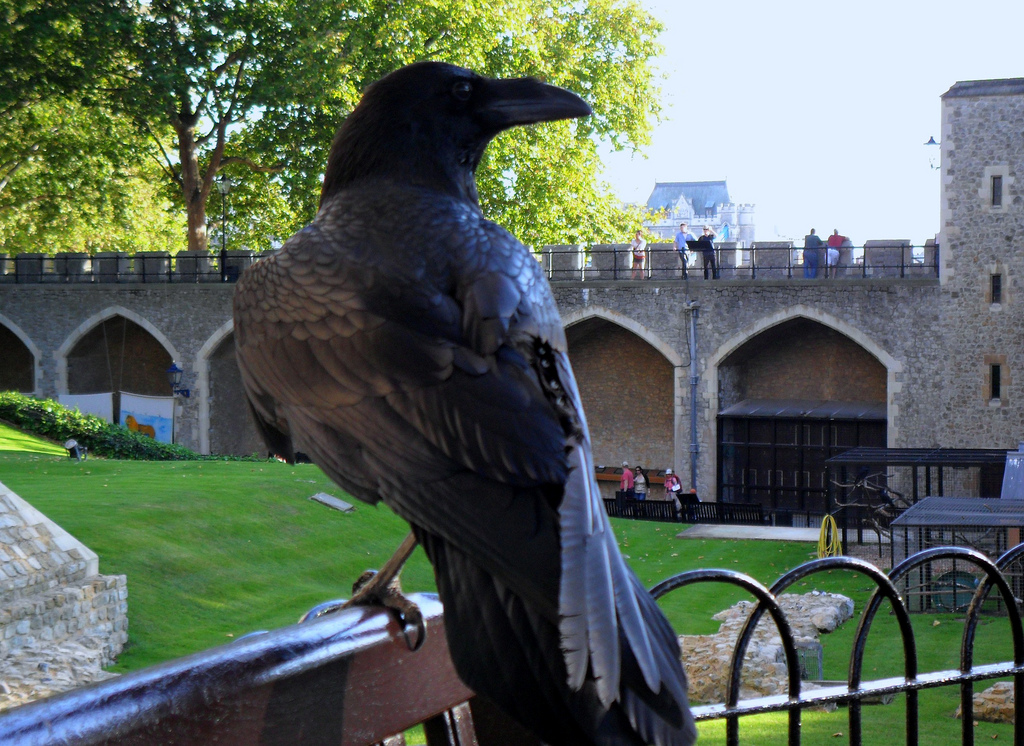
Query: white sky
(817, 112)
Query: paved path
(774, 533)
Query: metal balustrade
(778, 260)
(115, 267)
(601, 262)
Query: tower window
(995, 386)
(997, 191)
(997, 289)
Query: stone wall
(60, 620)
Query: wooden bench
(347, 678)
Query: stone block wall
(60, 620)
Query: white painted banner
(149, 415)
(101, 405)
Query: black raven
(413, 349)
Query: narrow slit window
(997, 288)
(996, 383)
(997, 191)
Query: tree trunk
(193, 187)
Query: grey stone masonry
(60, 620)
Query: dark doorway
(790, 398)
(17, 364)
(118, 355)
(626, 386)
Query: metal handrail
(895, 259)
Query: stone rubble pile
(60, 620)
(995, 704)
(707, 657)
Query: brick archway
(630, 384)
(881, 389)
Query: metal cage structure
(986, 526)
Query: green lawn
(213, 550)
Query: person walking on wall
(812, 254)
(707, 252)
(682, 236)
(639, 249)
(832, 253)
(626, 482)
(640, 484)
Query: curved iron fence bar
(765, 599)
(992, 574)
(885, 586)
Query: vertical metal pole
(223, 237)
(694, 378)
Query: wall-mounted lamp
(174, 378)
(932, 158)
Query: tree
(74, 178)
(257, 89)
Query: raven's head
(429, 123)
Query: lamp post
(933, 158)
(174, 378)
(224, 187)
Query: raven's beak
(510, 102)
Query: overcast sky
(817, 112)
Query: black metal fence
(856, 690)
(764, 261)
(115, 267)
(760, 261)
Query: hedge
(52, 420)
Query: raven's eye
(462, 90)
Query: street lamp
(224, 187)
(933, 159)
(174, 378)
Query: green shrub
(52, 420)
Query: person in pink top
(626, 483)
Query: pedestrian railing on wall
(115, 267)
(351, 677)
(774, 260)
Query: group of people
(813, 247)
(635, 485)
(705, 244)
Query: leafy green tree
(257, 90)
(74, 178)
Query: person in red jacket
(832, 253)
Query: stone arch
(36, 374)
(631, 382)
(718, 357)
(61, 355)
(225, 424)
(619, 319)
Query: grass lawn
(213, 550)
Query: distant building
(700, 203)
